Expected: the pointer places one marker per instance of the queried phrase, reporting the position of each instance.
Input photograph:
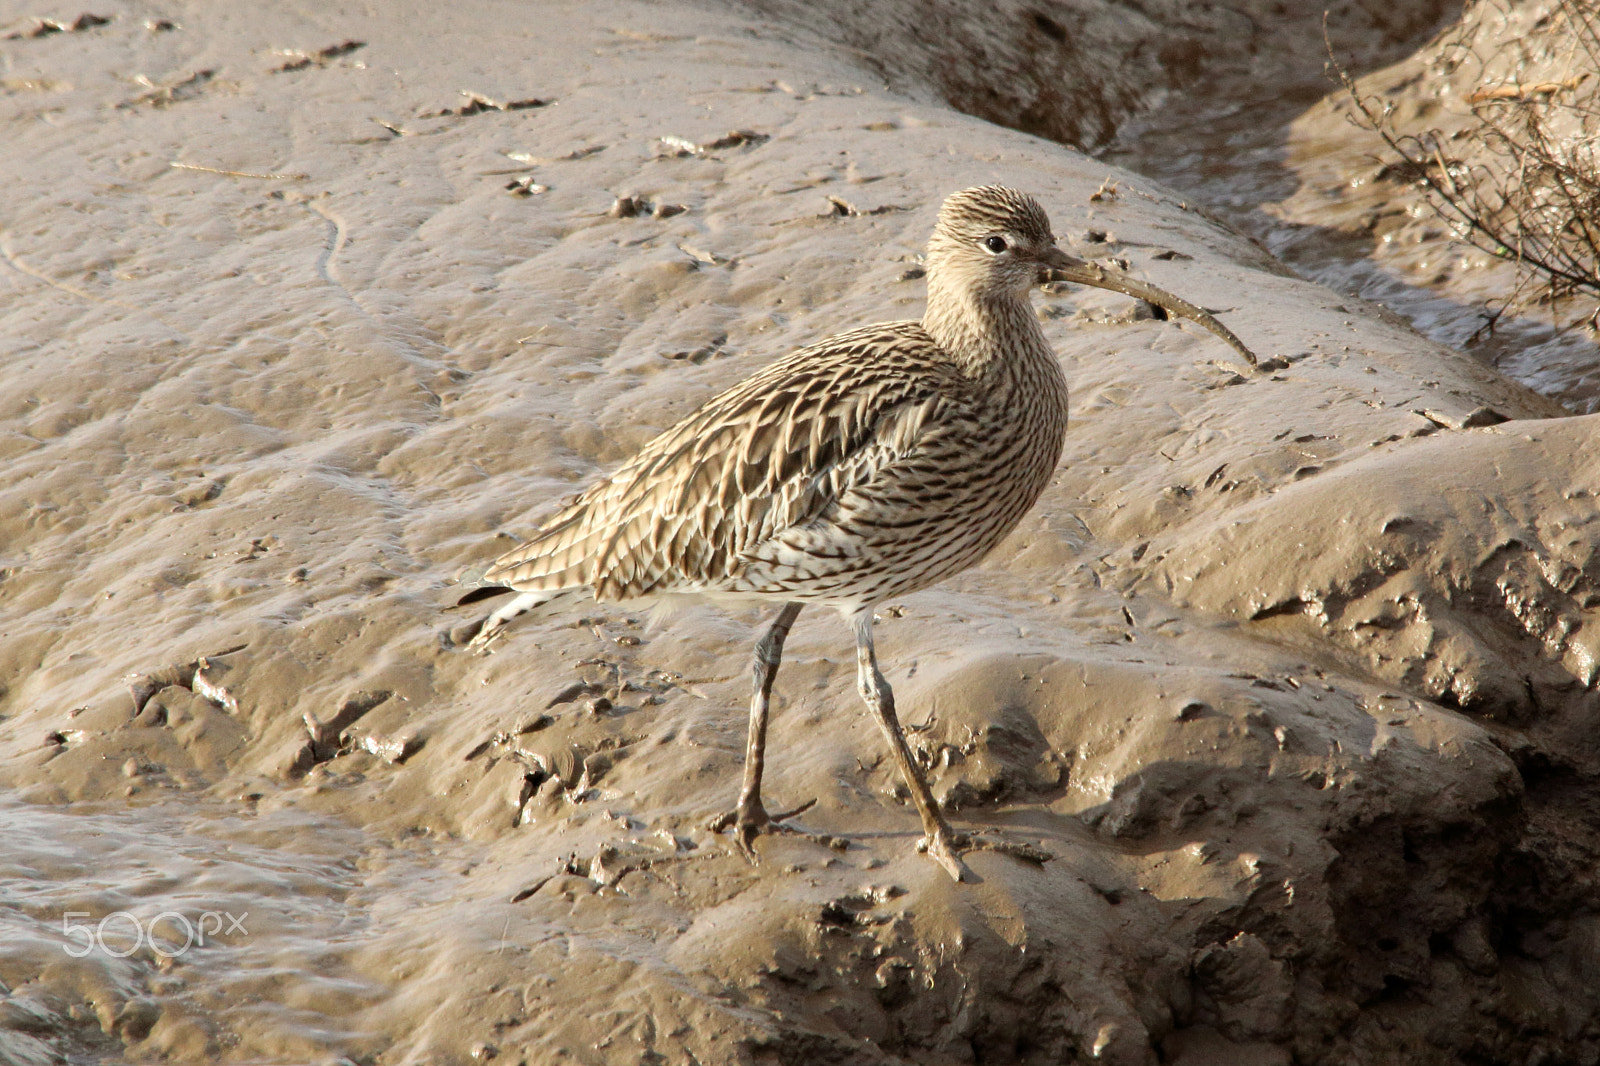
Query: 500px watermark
(121, 925)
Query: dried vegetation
(1512, 160)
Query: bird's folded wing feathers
(765, 456)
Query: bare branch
(1521, 179)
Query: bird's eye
(995, 244)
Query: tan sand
(1288, 674)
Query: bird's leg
(938, 840)
(495, 624)
(750, 817)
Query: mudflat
(1282, 698)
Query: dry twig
(1520, 178)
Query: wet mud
(1278, 704)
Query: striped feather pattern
(867, 466)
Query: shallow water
(358, 379)
(1299, 178)
(161, 917)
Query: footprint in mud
(477, 104)
(615, 860)
(672, 146)
(202, 676)
(298, 60)
(995, 762)
(49, 27)
(558, 773)
(159, 96)
(340, 735)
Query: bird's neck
(985, 332)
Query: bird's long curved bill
(1063, 267)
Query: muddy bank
(1324, 194)
(1246, 676)
(1074, 71)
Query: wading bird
(859, 469)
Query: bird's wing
(767, 455)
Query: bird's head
(995, 242)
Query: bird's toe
(488, 632)
(744, 836)
(944, 849)
(747, 822)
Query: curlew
(859, 469)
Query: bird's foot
(489, 630)
(750, 820)
(944, 847)
(1017, 849)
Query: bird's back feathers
(698, 503)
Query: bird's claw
(487, 634)
(945, 847)
(746, 824)
(1022, 850)
(749, 821)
